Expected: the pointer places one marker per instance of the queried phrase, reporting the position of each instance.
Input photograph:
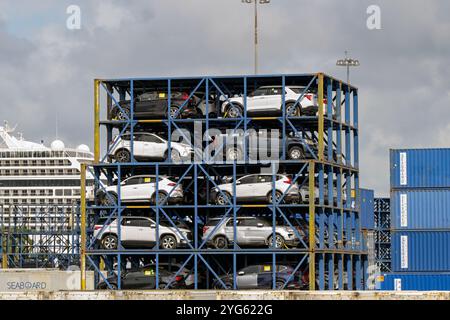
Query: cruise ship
(39, 194)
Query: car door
(258, 231)
(245, 187)
(247, 278)
(142, 279)
(144, 188)
(257, 100)
(273, 98)
(129, 232)
(147, 232)
(246, 229)
(155, 147)
(263, 185)
(129, 189)
(144, 103)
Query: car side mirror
(238, 182)
(153, 226)
(241, 273)
(260, 225)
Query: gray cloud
(48, 72)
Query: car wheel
(161, 198)
(279, 242)
(296, 153)
(109, 199)
(124, 114)
(279, 284)
(173, 112)
(278, 195)
(233, 111)
(234, 154)
(223, 199)
(168, 242)
(123, 155)
(110, 242)
(220, 242)
(212, 115)
(162, 285)
(175, 156)
(292, 111)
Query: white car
(142, 188)
(148, 146)
(139, 232)
(257, 187)
(269, 99)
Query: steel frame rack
(46, 238)
(332, 250)
(383, 234)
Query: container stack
(420, 220)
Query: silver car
(251, 231)
(140, 232)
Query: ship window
(58, 192)
(67, 192)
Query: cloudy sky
(47, 71)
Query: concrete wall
(20, 280)
(226, 295)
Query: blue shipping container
(366, 213)
(418, 251)
(420, 168)
(414, 281)
(416, 209)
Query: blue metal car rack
(47, 238)
(383, 234)
(331, 250)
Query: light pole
(256, 27)
(348, 62)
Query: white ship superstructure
(39, 185)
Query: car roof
(279, 86)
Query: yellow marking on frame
(83, 226)
(147, 180)
(96, 121)
(150, 121)
(162, 95)
(321, 126)
(267, 268)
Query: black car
(155, 105)
(144, 279)
(261, 277)
(263, 145)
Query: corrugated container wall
(420, 281)
(367, 213)
(418, 251)
(420, 209)
(420, 168)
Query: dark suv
(263, 145)
(155, 105)
(261, 277)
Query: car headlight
(184, 233)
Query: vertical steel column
(330, 271)
(83, 226)
(274, 222)
(96, 121)
(321, 120)
(234, 226)
(169, 121)
(321, 262)
(157, 223)
(312, 227)
(196, 221)
(339, 119)
(131, 121)
(283, 103)
(340, 264)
